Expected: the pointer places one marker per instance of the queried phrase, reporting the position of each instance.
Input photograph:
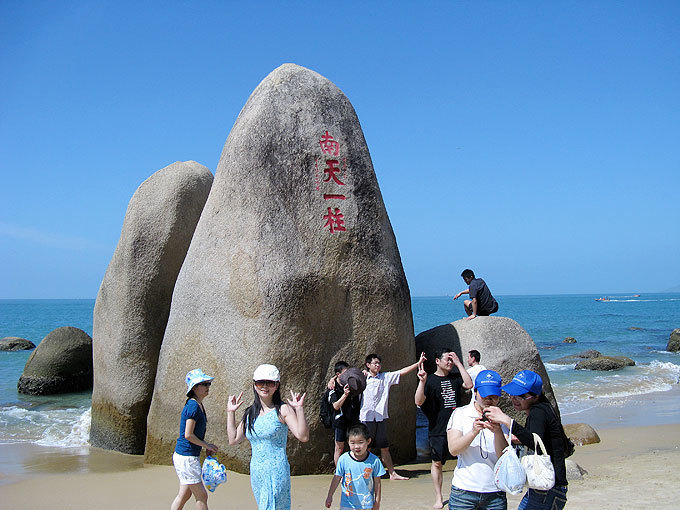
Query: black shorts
(378, 432)
(340, 434)
(439, 449)
(485, 313)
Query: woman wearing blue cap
(526, 393)
(192, 426)
(478, 443)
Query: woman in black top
(526, 392)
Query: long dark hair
(253, 411)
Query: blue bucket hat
(488, 383)
(196, 376)
(525, 381)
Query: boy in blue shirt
(359, 471)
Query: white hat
(266, 373)
(195, 377)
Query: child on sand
(359, 471)
(192, 425)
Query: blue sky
(535, 142)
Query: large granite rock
(283, 270)
(503, 344)
(581, 433)
(15, 343)
(605, 363)
(674, 341)
(62, 363)
(133, 303)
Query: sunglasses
(526, 396)
(207, 384)
(262, 384)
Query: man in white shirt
(473, 362)
(478, 444)
(374, 402)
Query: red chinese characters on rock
(333, 220)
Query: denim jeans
(467, 500)
(553, 499)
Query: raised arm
(420, 390)
(235, 434)
(467, 380)
(411, 368)
(294, 416)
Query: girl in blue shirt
(192, 425)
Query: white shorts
(188, 469)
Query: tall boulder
(133, 303)
(503, 344)
(294, 263)
(62, 363)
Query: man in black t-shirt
(346, 409)
(438, 395)
(481, 302)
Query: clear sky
(537, 143)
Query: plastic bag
(508, 472)
(213, 473)
(539, 469)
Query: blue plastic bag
(509, 474)
(213, 473)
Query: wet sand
(632, 467)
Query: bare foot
(396, 476)
(438, 505)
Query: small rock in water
(575, 358)
(15, 343)
(674, 341)
(570, 340)
(634, 328)
(605, 363)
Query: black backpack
(326, 411)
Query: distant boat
(602, 299)
(636, 295)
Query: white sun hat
(196, 376)
(266, 373)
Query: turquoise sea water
(63, 420)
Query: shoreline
(630, 468)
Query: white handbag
(538, 467)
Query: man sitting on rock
(481, 302)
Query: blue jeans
(467, 500)
(553, 499)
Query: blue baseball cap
(525, 381)
(488, 383)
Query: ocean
(637, 327)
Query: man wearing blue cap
(478, 443)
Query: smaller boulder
(605, 363)
(62, 363)
(574, 471)
(674, 341)
(575, 358)
(570, 340)
(634, 328)
(15, 343)
(581, 433)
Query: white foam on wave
(63, 427)
(637, 380)
(79, 435)
(554, 367)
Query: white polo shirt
(375, 396)
(474, 471)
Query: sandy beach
(631, 468)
